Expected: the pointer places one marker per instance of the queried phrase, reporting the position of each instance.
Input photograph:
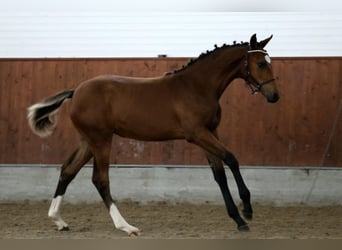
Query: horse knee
(220, 175)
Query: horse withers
(183, 104)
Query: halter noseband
(250, 80)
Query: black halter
(250, 80)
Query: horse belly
(148, 126)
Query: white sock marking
(120, 222)
(54, 212)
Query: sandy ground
(169, 221)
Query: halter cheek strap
(250, 80)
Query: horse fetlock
(120, 223)
(243, 228)
(247, 211)
(60, 223)
(130, 230)
(54, 213)
(238, 220)
(248, 215)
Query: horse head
(259, 70)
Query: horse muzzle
(273, 98)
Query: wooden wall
(303, 129)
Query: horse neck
(211, 75)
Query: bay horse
(183, 104)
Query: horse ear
(253, 42)
(263, 43)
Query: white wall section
(169, 5)
(42, 32)
(278, 186)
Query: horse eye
(262, 65)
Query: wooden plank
(333, 154)
(302, 129)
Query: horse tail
(42, 116)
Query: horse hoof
(247, 215)
(243, 228)
(134, 234)
(62, 229)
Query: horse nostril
(273, 98)
(276, 96)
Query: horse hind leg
(101, 181)
(68, 172)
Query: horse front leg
(217, 153)
(101, 181)
(244, 193)
(221, 179)
(233, 165)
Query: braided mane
(206, 54)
